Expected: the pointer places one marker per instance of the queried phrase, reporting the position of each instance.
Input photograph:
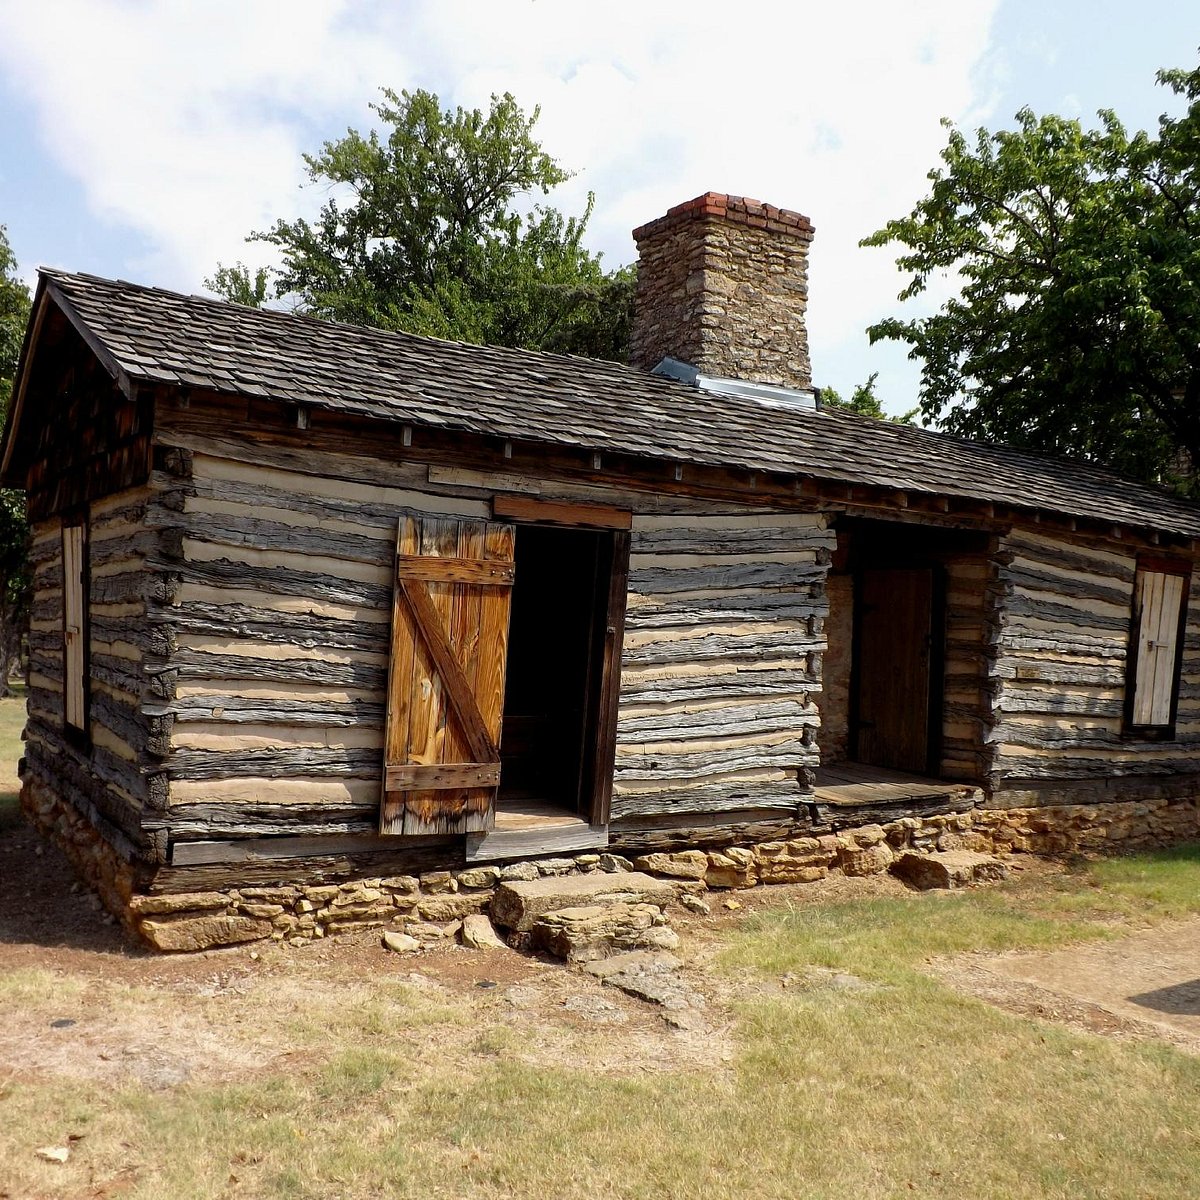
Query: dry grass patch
(848, 1072)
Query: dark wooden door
(895, 641)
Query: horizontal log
(1098, 588)
(1065, 644)
(191, 822)
(782, 794)
(257, 533)
(1031, 670)
(664, 612)
(742, 719)
(732, 683)
(272, 626)
(1055, 552)
(266, 861)
(656, 580)
(279, 580)
(1018, 605)
(876, 812)
(750, 646)
(635, 771)
(687, 831)
(1037, 700)
(195, 665)
(1055, 737)
(1099, 767)
(275, 711)
(750, 538)
(308, 762)
(256, 495)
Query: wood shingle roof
(147, 335)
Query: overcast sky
(143, 139)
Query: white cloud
(185, 119)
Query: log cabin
(320, 607)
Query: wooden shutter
(1159, 598)
(74, 558)
(449, 647)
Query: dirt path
(1146, 984)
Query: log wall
(276, 569)
(1057, 674)
(116, 779)
(722, 661)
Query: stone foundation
(432, 906)
(94, 860)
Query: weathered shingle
(160, 336)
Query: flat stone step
(519, 903)
(948, 869)
(588, 932)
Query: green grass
(898, 1088)
(12, 722)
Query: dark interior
(555, 644)
(898, 654)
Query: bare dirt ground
(78, 999)
(1144, 985)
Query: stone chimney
(722, 285)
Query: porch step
(518, 904)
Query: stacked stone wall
(723, 285)
(432, 906)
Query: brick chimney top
(739, 209)
(722, 286)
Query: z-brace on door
(449, 645)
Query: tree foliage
(428, 230)
(15, 577)
(1077, 325)
(865, 402)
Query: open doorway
(554, 683)
(903, 687)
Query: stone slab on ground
(654, 962)
(951, 869)
(652, 976)
(517, 904)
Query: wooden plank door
(1157, 608)
(895, 635)
(449, 648)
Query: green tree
(15, 577)
(239, 285)
(1076, 325)
(864, 401)
(429, 230)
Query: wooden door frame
(609, 623)
(935, 715)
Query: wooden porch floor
(524, 813)
(849, 783)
